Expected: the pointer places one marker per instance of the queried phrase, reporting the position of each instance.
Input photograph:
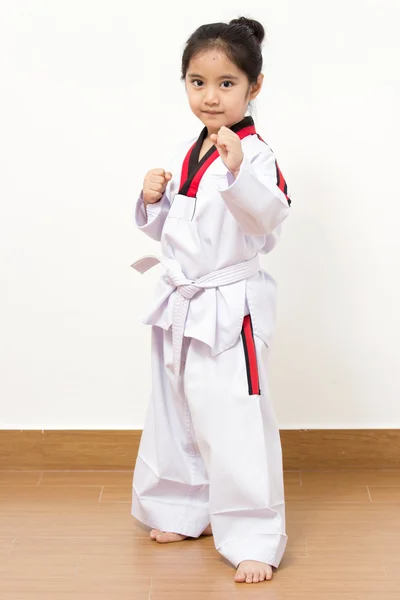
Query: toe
(249, 577)
(154, 533)
(240, 576)
(256, 577)
(268, 576)
(165, 538)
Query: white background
(90, 99)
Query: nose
(211, 97)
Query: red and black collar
(193, 169)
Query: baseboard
(310, 449)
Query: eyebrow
(227, 76)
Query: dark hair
(240, 39)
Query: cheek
(238, 99)
(194, 99)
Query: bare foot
(208, 530)
(252, 571)
(164, 537)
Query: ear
(256, 87)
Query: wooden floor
(69, 534)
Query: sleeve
(271, 240)
(151, 219)
(258, 198)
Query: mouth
(212, 112)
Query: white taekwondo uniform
(210, 449)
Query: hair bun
(255, 26)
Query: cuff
(145, 215)
(226, 181)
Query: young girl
(210, 460)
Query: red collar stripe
(194, 186)
(193, 169)
(185, 167)
(251, 130)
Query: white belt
(187, 289)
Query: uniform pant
(210, 450)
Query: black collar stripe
(193, 169)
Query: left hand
(229, 146)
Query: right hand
(155, 182)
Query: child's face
(218, 91)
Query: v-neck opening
(195, 162)
(193, 168)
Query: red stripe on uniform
(254, 386)
(282, 183)
(185, 166)
(194, 186)
(279, 177)
(250, 130)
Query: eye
(227, 84)
(197, 82)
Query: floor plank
(384, 477)
(31, 478)
(87, 478)
(70, 534)
(385, 493)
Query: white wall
(90, 98)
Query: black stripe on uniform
(195, 164)
(246, 356)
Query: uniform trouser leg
(170, 485)
(239, 441)
(237, 482)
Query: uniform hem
(174, 518)
(266, 548)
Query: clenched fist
(229, 147)
(154, 185)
